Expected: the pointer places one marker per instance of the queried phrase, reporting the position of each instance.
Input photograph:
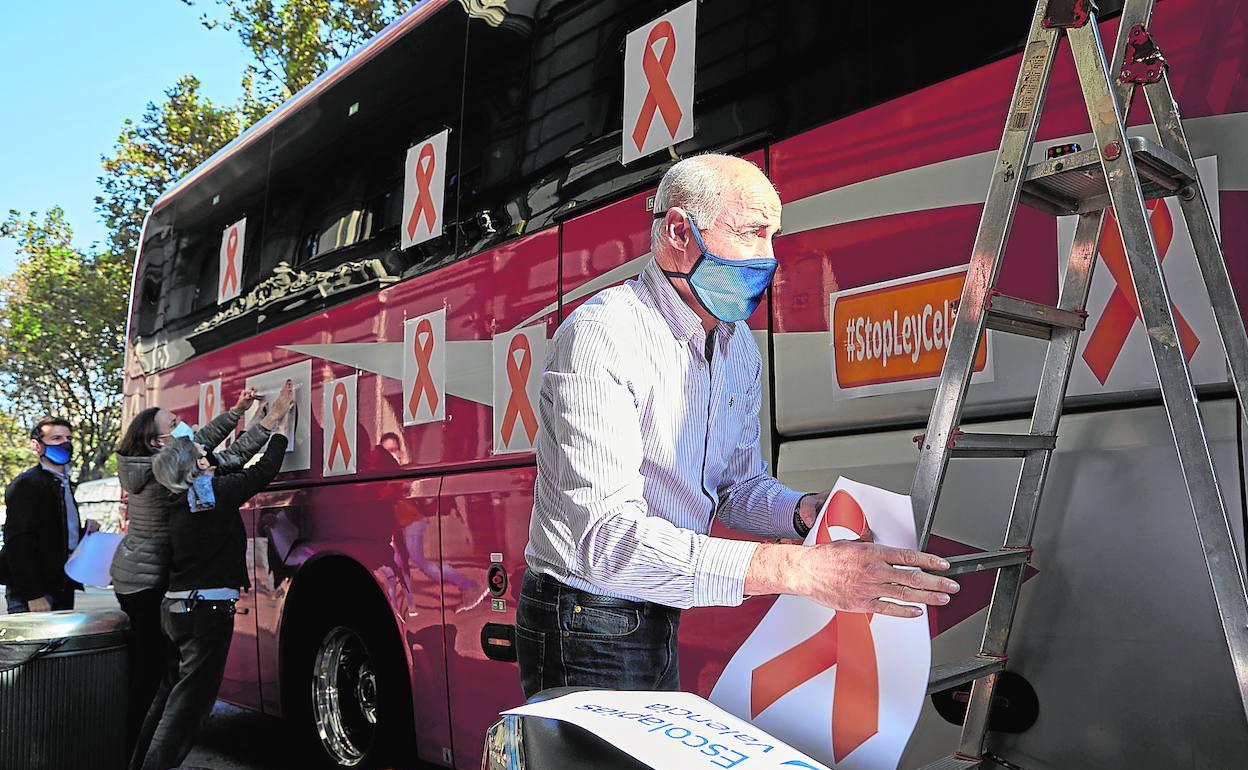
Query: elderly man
(649, 412)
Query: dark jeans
(199, 643)
(566, 637)
(62, 600)
(148, 654)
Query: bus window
(336, 186)
(157, 258)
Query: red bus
(381, 614)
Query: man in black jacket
(42, 527)
(208, 568)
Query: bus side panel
(388, 528)
(896, 191)
(1117, 631)
(481, 514)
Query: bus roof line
(287, 108)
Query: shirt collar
(684, 323)
(62, 476)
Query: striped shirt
(643, 443)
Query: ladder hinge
(953, 436)
(1068, 14)
(1143, 63)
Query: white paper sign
(424, 368)
(299, 424)
(845, 688)
(1113, 353)
(230, 276)
(518, 360)
(424, 187)
(90, 561)
(658, 83)
(339, 427)
(671, 730)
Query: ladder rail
(1204, 236)
(1178, 393)
(991, 236)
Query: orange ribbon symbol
(231, 272)
(659, 94)
(1110, 334)
(423, 351)
(424, 196)
(338, 441)
(518, 404)
(210, 402)
(845, 642)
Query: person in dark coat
(207, 571)
(42, 526)
(140, 568)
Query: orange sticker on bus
(898, 332)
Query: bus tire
(350, 694)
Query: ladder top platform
(1075, 184)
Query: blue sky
(74, 70)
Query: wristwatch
(798, 524)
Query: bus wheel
(345, 699)
(357, 703)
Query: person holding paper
(140, 568)
(649, 431)
(42, 526)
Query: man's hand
(809, 506)
(39, 605)
(849, 575)
(248, 397)
(90, 526)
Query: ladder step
(1031, 319)
(946, 675)
(954, 762)
(1000, 444)
(1075, 184)
(985, 560)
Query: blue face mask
(200, 496)
(182, 430)
(58, 454)
(729, 289)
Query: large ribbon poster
(229, 276)
(1113, 352)
(658, 83)
(846, 688)
(518, 360)
(338, 424)
(424, 368)
(424, 188)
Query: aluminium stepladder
(1119, 173)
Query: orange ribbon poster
(1123, 309)
(233, 239)
(338, 422)
(424, 188)
(846, 688)
(424, 368)
(658, 83)
(1113, 354)
(518, 360)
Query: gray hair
(175, 465)
(699, 186)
